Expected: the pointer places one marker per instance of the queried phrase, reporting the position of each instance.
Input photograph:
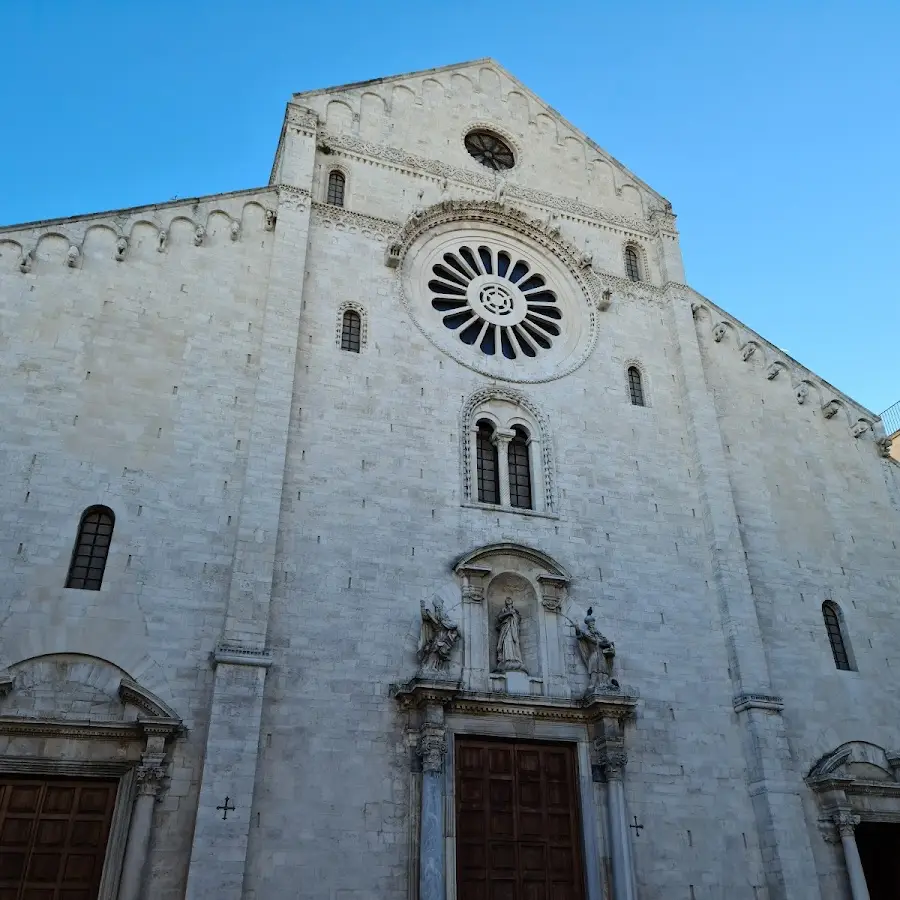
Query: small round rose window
(495, 300)
(485, 147)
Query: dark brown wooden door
(517, 825)
(53, 837)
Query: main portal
(518, 835)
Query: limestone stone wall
(130, 383)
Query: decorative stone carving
(719, 332)
(830, 409)
(802, 393)
(551, 225)
(473, 582)
(446, 199)
(26, 262)
(271, 219)
(604, 300)
(392, 254)
(587, 255)
(747, 351)
(553, 588)
(235, 230)
(884, 447)
(121, 248)
(199, 235)
(419, 208)
(150, 779)
(432, 747)
(161, 240)
(438, 636)
(72, 256)
(845, 822)
(859, 429)
(509, 646)
(597, 653)
(773, 370)
(500, 191)
(612, 760)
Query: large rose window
(495, 300)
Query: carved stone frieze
(291, 197)
(769, 702)
(342, 219)
(392, 155)
(302, 118)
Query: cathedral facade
(408, 529)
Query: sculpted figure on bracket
(437, 638)
(597, 653)
(509, 647)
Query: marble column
(613, 762)
(501, 442)
(846, 824)
(149, 781)
(432, 749)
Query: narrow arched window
(632, 267)
(91, 549)
(831, 614)
(350, 331)
(488, 470)
(635, 386)
(519, 470)
(336, 182)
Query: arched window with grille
(831, 613)
(486, 458)
(91, 549)
(336, 183)
(519, 470)
(636, 386)
(351, 328)
(632, 263)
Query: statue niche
(513, 631)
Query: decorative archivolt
(807, 389)
(478, 402)
(197, 219)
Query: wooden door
(518, 835)
(53, 837)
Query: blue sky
(772, 126)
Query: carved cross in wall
(637, 828)
(225, 808)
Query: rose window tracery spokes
(495, 300)
(489, 150)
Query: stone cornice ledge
(770, 702)
(855, 786)
(418, 693)
(235, 655)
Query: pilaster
(218, 854)
(774, 791)
(432, 750)
(846, 823)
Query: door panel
(53, 837)
(517, 821)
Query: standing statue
(437, 639)
(597, 653)
(509, 647)
(499, 191)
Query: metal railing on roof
(891, 419)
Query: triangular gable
(480, 73)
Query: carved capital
(472, 594)
(612, 760)
(150, 779)
(845, 822)
(432, 747)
